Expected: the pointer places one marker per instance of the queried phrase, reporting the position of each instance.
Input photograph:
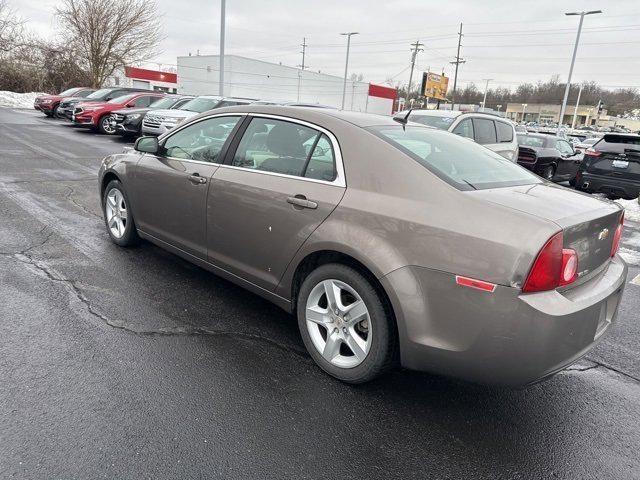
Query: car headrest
(284, 140)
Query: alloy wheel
(338, 323)
(106, 125)
(116, 212)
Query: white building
(247, 77)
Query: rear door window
(505, 132)
(485, 131)
(287, 148)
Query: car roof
(432, 113)
(311, 114)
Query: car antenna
(403, 119)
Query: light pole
(573, 59)
(524, 106)
(346, 65)
(575, 112)
(221, 66)
(486, 87)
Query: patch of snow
(18, 100)
(632, 257)
(631, 209)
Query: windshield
(163, 103)
(529, 141)
(442, 123)
(68, 92)
(458, 161)
(123, 98)
(200, 104)
(98, 94)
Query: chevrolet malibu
(392, 243)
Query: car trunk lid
(588, 224)
(615, 156)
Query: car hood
(129, 111)
(174, 113)
(550, 202)
(47, 96)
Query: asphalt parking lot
(135, 364)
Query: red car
(95, 115)
(48, 104)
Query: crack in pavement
(598, 365)
(74, 289)
(69, 196)
(31, 247)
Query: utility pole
(302, 65)
(486, 87)
(417, 47)
(575, 112)
(457, 62)
(573, 60)
(222, 19)
(346, 64)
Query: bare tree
(11, 28)
(109, 34)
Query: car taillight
(554, 267)
(592, 152)
(617, 236)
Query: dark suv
(612, 167)
(66, 106)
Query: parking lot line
(636, 280)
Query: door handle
(196, 179)
(301, 201)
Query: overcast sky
(507, 41)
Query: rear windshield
(200, 105)
(442, 123)
(528, 141)
(458, 161)
(618, 143)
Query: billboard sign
(434, 85)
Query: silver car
(392, 244)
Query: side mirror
(129, 105)
(147, 145)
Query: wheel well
(317, 259)
(105, 181)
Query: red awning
(153, 75)
(382, 92)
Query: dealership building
(251, 78)
(543, 112)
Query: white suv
(158, 122)
(495, 133)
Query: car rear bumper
(502, 337)
(621, 187)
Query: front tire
(117, 215)
(344, 324)
(104, 126)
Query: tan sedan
(392, 243)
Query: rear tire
(118, 216)
(358, 343)
(548, 173)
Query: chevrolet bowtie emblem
(603, 234)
